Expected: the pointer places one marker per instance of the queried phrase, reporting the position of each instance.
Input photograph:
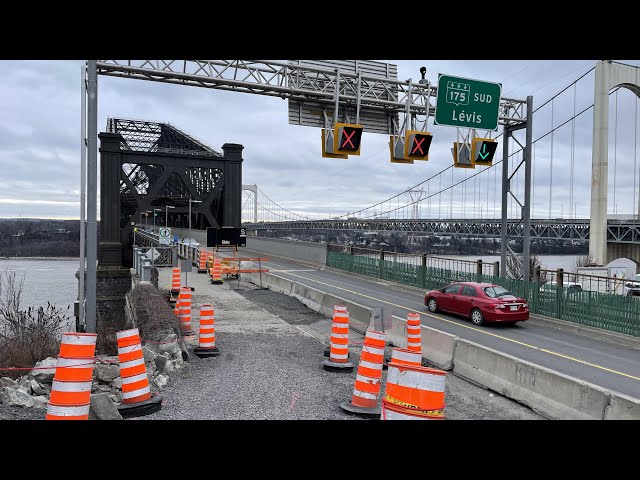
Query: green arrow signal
(484, 147)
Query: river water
(46, 280)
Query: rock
(178, 362)
(103, 407)
(114, 398)
(171, 348)
(40, 401)
(24, 384)
(106, 373)
(101, 389)
(8, 382)
(151, 368)
(169, 367)
(38, 389)
(161, 362)
(16, 397)
(161, 380)
(183, 349)
(94, 387)
(44, 375)
(117, 383)
(149, 355)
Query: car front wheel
(476, 317)
(433, 305)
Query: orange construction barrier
(207, 335)
(364, 401)
(338, 360)
(413, 332)
(402, 356)
(175, 280)
(202, 261)
(414, 391)
(71, 389)
(336, 308)
(136, 393)
(184, 302)
(216, 271)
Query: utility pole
(92, 195)
(83, 184)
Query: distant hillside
(34, 237)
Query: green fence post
(424, 270)
(381, 263)
(479, 271)
(351, 258)
(559, 291)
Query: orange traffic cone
(71, 389)
(364, 401)
(184, 301)
(175, 280)
(206, 335)
(216, 271)
(136, 393)
(202, 262)
(413, 393)
(336, 308)
(413, 332)
(338, 360)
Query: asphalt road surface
(601, 362)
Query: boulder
(169, 366)
(151, 368)
(117, 383)
(115, 399)
(15, 397)
(38, 389)
(161, 381)
(40, 401)
(149, 355)
(101, 389)
(103, 408)
(106, 373)
(8, 382)
(24, 384)
(161, 361)
(171, 348)
(44, 370)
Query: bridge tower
(608, 76)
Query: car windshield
(496, 291)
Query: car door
(448, 297)
(466, 300)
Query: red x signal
(416, 145)
(347, 138)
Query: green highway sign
(463, 102)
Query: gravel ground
(20, 413)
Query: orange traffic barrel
(403, 356)
(392, 411)
(336, 308)
(339, 344)
(413, 332)
(206, 335)
(184, 301)
(366, 390)
(71, 389)
(175, 280)
(216, 271)
(202, 261)
(416, 388)
(136, 392)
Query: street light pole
(166, 214)
(190, 202)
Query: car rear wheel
(433, 305)
(476, 317)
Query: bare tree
(515, 270)
(585, 261)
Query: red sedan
(481, 302)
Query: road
(601, 362)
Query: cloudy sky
(40, 144)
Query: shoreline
(42, 258)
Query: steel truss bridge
(618, 231)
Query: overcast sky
(40, 142)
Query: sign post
(466, 103)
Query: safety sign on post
(164, 234)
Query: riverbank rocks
(106, 373)
(38, 389)
(44, 370)
(8, 382)
(16, 397)
(103, 408)
(40, 401)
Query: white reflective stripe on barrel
(129, 349)
(340, 308)
(339, 346)
(127, 333)
(341, 314)
(393, 415)
(340, 335)
(75, 339)
(132, 363)
(413, 336)
(74, 411)
(207, 335)
(406, 356)
(75, 362)
(206, 317)
(375, 335)
(370, 380)
(71, 386)
(339, 356)
(136, 393)
(372, 366)
(415, 379)
(373, 350)
(361, 394)
(134, 378)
